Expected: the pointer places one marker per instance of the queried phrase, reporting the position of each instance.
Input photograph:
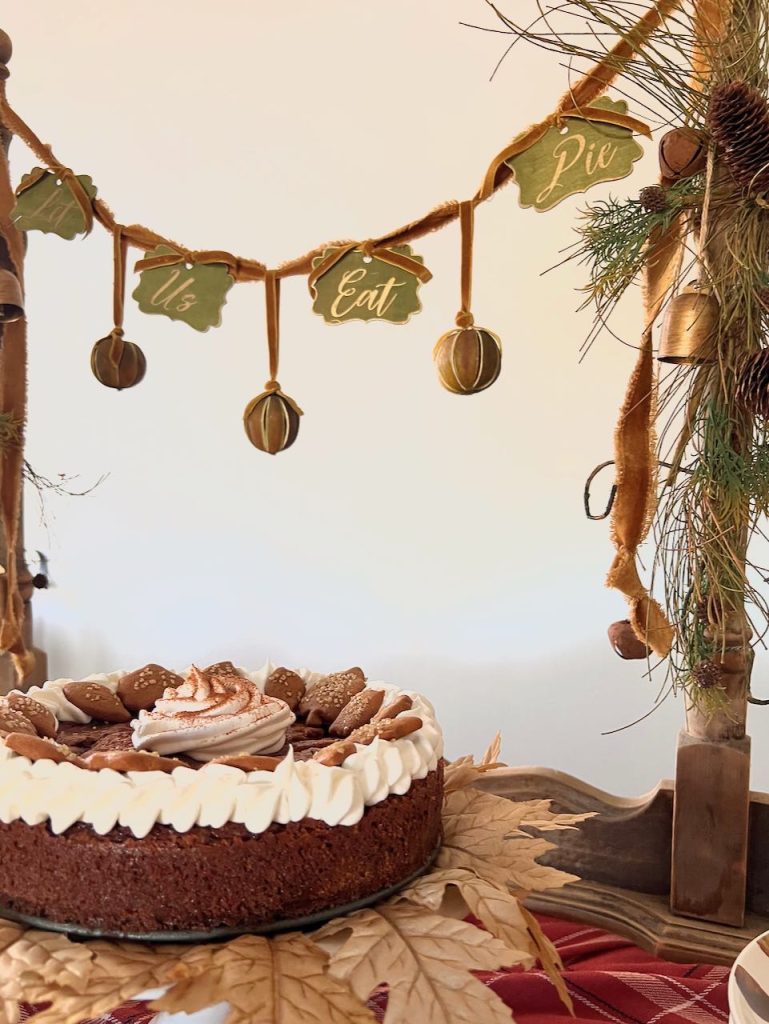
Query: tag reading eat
(357, 287)
(572, 159)
(48, 204)
(194, 293)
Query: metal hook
(612, 493)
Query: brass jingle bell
(11, 298)
(690, 327)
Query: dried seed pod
(468, 359)
(625, 643)
(753, 384)
(706, 675)
(116, 363)
(683, 153)
(272, 420)
(653, 199)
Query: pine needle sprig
(614, 234)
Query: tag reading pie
(573, 159)
(357, 287)
(194, 293)
(49, 205)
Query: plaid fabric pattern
(608, 978)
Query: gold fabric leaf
(425, 960)
(264, 981)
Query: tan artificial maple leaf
(549, 958)
(465, 772)
(499, 911)
(425, 959)
(35, 961)
(264, 980)
(117, 972)
(482, 835)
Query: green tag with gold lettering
(573, 159)
(359, 287)
(47, 204)
(194, 293)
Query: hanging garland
(587, 139)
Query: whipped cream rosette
(213, 716)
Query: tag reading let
(357, 287)
(573, 159)
(49, 205)
(194, 293)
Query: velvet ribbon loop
(191, 256)
(464, 317)
(373, 250)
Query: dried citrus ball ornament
(271, 420)
(468, 359)
(683, 154)
(116, 363)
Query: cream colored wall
(437, 540)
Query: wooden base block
(710, 829)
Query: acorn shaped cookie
(468, 359)
(117, 363)
(272, 420)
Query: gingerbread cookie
(250, 762)
(15, 721)
(402, 703)
(357, 712)
(324, 702)
(131, 761)
(286, 685)
(38, 749)
(140, 690)
(221, 668)
(43, 720)
(97, 701)
(386, 729)
(336, 754)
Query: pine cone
(653, 199)
(753, 384)
(738, 119)
(706, 675)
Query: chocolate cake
(149, 801)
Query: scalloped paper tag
(573, 159)
(48, 204)
(358, 287)
(194, 293)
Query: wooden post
(8, 678)
(712, 797)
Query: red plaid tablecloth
(608, 978)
